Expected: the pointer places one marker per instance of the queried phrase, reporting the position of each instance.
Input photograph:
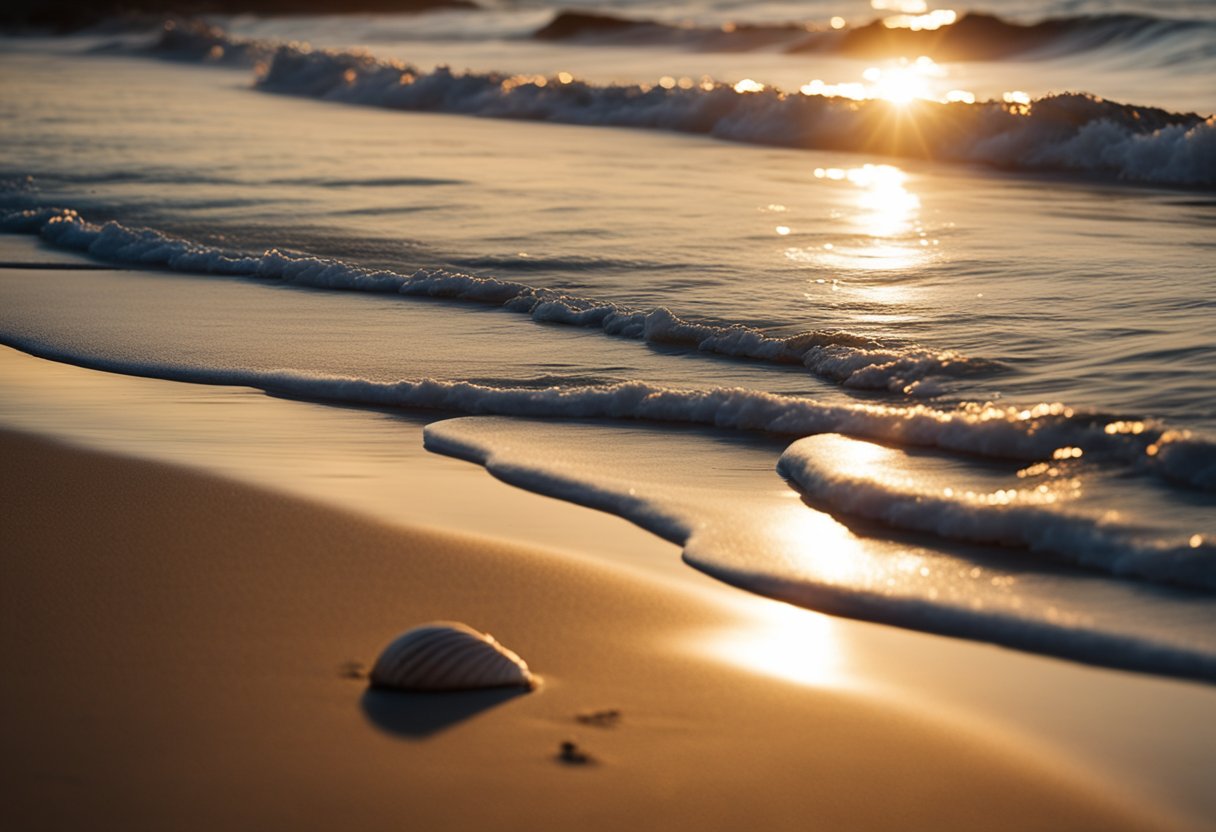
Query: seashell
(449, 656)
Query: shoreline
(212, 624)
(1071, 718)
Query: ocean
(892, 312)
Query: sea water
(906, 320)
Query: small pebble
(572, 755)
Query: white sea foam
(1069, 132)
(1185, 458)
(761, 547)
(839, 356)
(1029, 519)
(980, 429)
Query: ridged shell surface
(448, 656)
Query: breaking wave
(1071, 132)
(1023, 518)
(851, 360)
(1108, 625)
(986, 429)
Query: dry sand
(176, 652)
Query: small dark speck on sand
(353, 670)
(600, 719)
(572, 755)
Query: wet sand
(184, 651)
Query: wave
(1024, 518)
(194, 40)
(848, 359)
(1129, 625)
(1072, 133)
(980, 429)
(974, 36)
(980, 37)
(594, 28)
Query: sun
(899, 85)
(905, 81)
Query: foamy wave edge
(1058, 637)
(851, 360)
(1072, 133)
(980, 429)
(1018, 521)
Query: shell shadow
(417, 716)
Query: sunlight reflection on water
(886, 233)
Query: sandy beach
(185, 652)
(816, 396)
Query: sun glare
(898, 82)
(899, 85)
(884, 228)
(902, 6)
(913, 14)
(935, 19)
(962, 96)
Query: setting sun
(898, 81)
(899, 85)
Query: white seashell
(448, 656)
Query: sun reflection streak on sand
(785, 642)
